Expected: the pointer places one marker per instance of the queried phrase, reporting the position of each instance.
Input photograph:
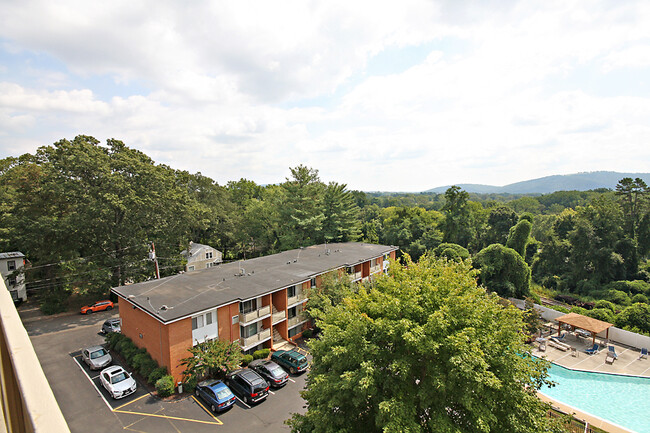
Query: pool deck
(628, 363)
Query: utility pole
(152, 256)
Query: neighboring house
(258, 302)
(201, 256)
(11, 268)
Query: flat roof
(178, 296)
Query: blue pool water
(622, 400)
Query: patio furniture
(574, 352)
(644, 353)
(612, 351)
(559, 339)
(542, 344)
(563, 347)
(594, 349)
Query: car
(112, 325)
(292, 360)
(117, 381)
(247, 385)
(216, 394)
(97, 306)
(96, 357)
(270, 371)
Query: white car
(117, 382)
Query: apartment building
(11, 266)
(257, 302)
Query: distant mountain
(549, 184)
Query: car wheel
(292, 370)
(89, 311)
(109, 308)
(213, 408)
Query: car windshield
(97, 354)
(119, 377)
(276, 371)
(222, 394)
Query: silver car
(96, 357)
(117, 382)
(112, 325)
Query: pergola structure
(594, 326)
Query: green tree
(301, 214)
(519, 237)
(425, 350)
(457, 225)
(341, 214)
(500, 220)
(636, 318)
(633, 195)
(212, 358)
(451, 252)
(331, 292)
(503, 271)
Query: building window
(190, 268)
(11, 281)
(248, 306)
(208, 265)
(350, 269)
(292, 312)
(208, 255)
(313, 282)
(295, 331)
(197, 322)
(291, 291)
(208, 318)
(248, 331)
(11, 265)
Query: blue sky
(378, 95)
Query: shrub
(636, 286)
(190, 384)
(138, 359)
(156, 374)
(147, 367)
(559, 308)
(307, 333)
(639, 297)
(129, 352)
(618, 297)
(112, 338)
(247, 359)
(606, 305)
(604, 314)
(578, 310)
(262, 353)
(165, 386)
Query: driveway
(87, 407)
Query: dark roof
(11, 255)
(182, 295)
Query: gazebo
(594, 326)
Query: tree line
(85, 214)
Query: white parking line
(292, 380)
(93, 383)
(242, 402)
(271, 392)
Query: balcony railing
(296, 299)
(257, 338)
(28, 404)
(297, 319)
(374, 269)
(279, 316)
(355, 276)
(254, 315)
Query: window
(208, 265)
(190, 268)
(208, 318)
(208, 255)
(313, 282)
(247, 331)
(294, 331)
(11, 281)
(291, 291)
(350, 269)
(292, 312)
(197, 322)
(11, 265)
(248, 306)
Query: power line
(79, 258)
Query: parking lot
(87, 406)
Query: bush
(618, 297)
(165, 386)
(578, 310)
(262, 353)
(604, 314)
(190, 384)
(636, 286)
(639, 298)
(129, 352)
(606, 305)
(559, 308)
(139, 359)
(307, 333)
(156, 374)
(247, 360)
(112, 338)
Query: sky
(379, 95)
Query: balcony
(27, 399)
(255, 315)
(296, 320)
(374, 269)
(256, 339)
(354, 276)
(300, 297)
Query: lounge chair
(644, 353)
(612, 352)
(559, 339)
(594, 349)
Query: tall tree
(425, 350)
(519, 237)
(503, 271)
(634, 195)
(500, 220)
(341, 214)
(457, 226)
(302, 213)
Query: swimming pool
(622, 400)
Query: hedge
(165, 386)
(262, 353)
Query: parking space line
(271, 392)
(292, 380)
(242, 402)
(205, 409)
(133, 401)
(93, 383)
(155, 415)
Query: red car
(97, 306)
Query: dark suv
(247, 385)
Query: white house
(201, 256)
(11, 267)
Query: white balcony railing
(296, 320)
(263, 335)
(26, 399)
(374, 269)
(355, 276)
(279, 316)
(296, 299)
(254, 315)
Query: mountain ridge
(583, 181)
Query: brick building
(258, 302)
